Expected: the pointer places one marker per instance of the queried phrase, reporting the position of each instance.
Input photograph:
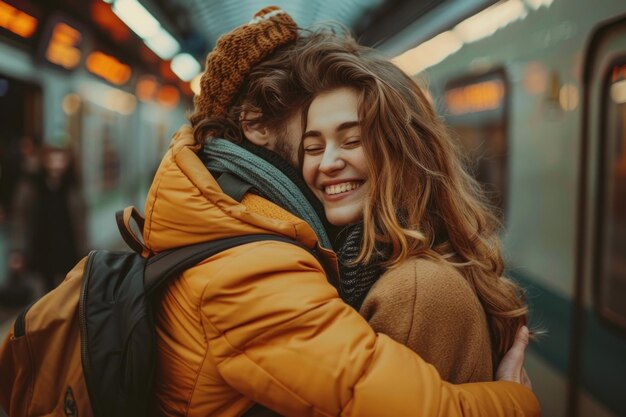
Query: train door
(599, 363)
(476, 112)
(20, 133)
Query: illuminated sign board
(61, 43)
(475, 97)
(17, 21)
(64, 46)
(108, 67)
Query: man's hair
(269, 91)
(235, 56)
(421, 201)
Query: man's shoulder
(262, 206)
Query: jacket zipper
(82, 314)
(19, 328)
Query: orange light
(102, 14)
(25, 25)
(108, 68)
(16, 21)
(169, 96)
(146, 88)
(63, 48)
(486, 95)
(618, 73)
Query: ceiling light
(485, 23)
(428, 53)
(163, 44)
(137, 18)
(185, 66)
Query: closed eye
(352, 142)
(313, 149)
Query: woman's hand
(511, 367)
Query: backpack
(87, 348)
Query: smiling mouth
(344, 187)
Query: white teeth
(341, 188)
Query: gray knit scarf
(269, 181)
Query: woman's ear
(253, 130)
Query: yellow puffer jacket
(260, 322)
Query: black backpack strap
(173, 262)
(233, 186)
(123, 219)
(257, 410)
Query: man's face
(286, 140)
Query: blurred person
(15, 162)
(48, 226)
(420, 257)
(29, 150)
(18, 162)
(16, 291)
(260, 322)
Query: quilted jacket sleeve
(282, 337)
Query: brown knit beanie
(236, 53)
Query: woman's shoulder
(429, 306)
(429, 284)
(427, 276)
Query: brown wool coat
(428, 306)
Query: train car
(535, 91)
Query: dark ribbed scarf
(357, 280)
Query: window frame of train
(607, 183)
(479, 120)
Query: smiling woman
(335, 166)
(420, 255)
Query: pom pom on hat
(236, 53)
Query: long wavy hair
(422, 201)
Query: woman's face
(334, 165)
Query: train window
(612, 276)
(476, 112)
